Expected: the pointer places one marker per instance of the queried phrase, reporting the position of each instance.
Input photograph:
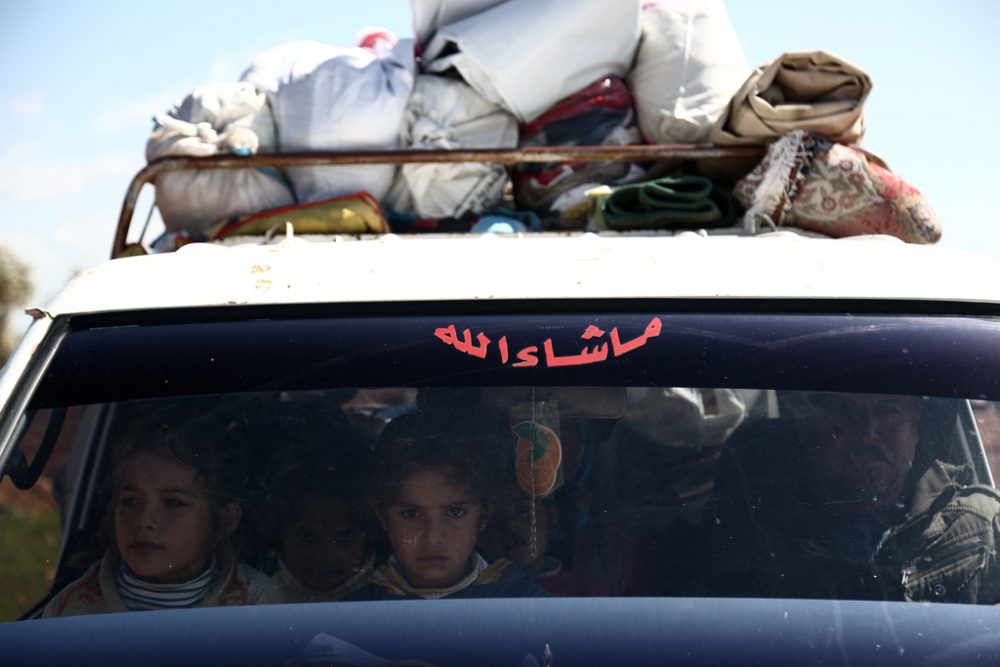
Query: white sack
(336, 99)
(445, 113)
(677, 417)
(215, 119)
(526, 55)
(688, 66)
(429, 15)
(274, 68)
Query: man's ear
(231, 515)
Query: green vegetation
(15, 288)
(29, 545)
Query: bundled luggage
(446, 113)
(483, 74)
(216, 119)
(526, 55)
(327, 98)
(688, 66)
(599, 115)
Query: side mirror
(23, 474)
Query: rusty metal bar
(639, 153)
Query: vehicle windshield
(359, 456)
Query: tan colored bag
(813, 91)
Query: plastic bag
(688, 66)
(327, 98)
(218, 118)
(445, 113)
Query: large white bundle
(526, 55)
(429, 15)
(274, 68)
(445, 113)
(327, 98)
(677, 416)
(688, 66)
(213, 119)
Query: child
(172, 517)
(432, 495)
(323, 549)
(512, 535)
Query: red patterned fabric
(808, 182)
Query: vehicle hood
(520, 632)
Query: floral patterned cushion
(810, 183)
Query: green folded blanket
(673, 202)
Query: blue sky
(81, 81)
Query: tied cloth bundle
(808, 182)
(672, 202)
(813, 91)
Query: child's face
(433, 525)
(509, 531)
(163, 519)
(324, 546)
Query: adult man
(845, 501)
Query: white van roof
(780, 265)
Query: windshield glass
(354, 458)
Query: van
(701, 448)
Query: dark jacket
(771, 537)
(946, 546)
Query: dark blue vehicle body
(516, 633)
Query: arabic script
(478, 345)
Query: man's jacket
(772, 537)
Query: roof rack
(635, 153)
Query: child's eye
(345, 536)
(456, 511)
(174, 502)
(409, 512)
(127, 500)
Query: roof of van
(778, 265)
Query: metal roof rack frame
(635, 153)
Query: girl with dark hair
(173, 511)
(433, 496)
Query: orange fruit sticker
(538, 448)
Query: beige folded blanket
(813, 91)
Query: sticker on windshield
(539, 455)
(478, 345)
